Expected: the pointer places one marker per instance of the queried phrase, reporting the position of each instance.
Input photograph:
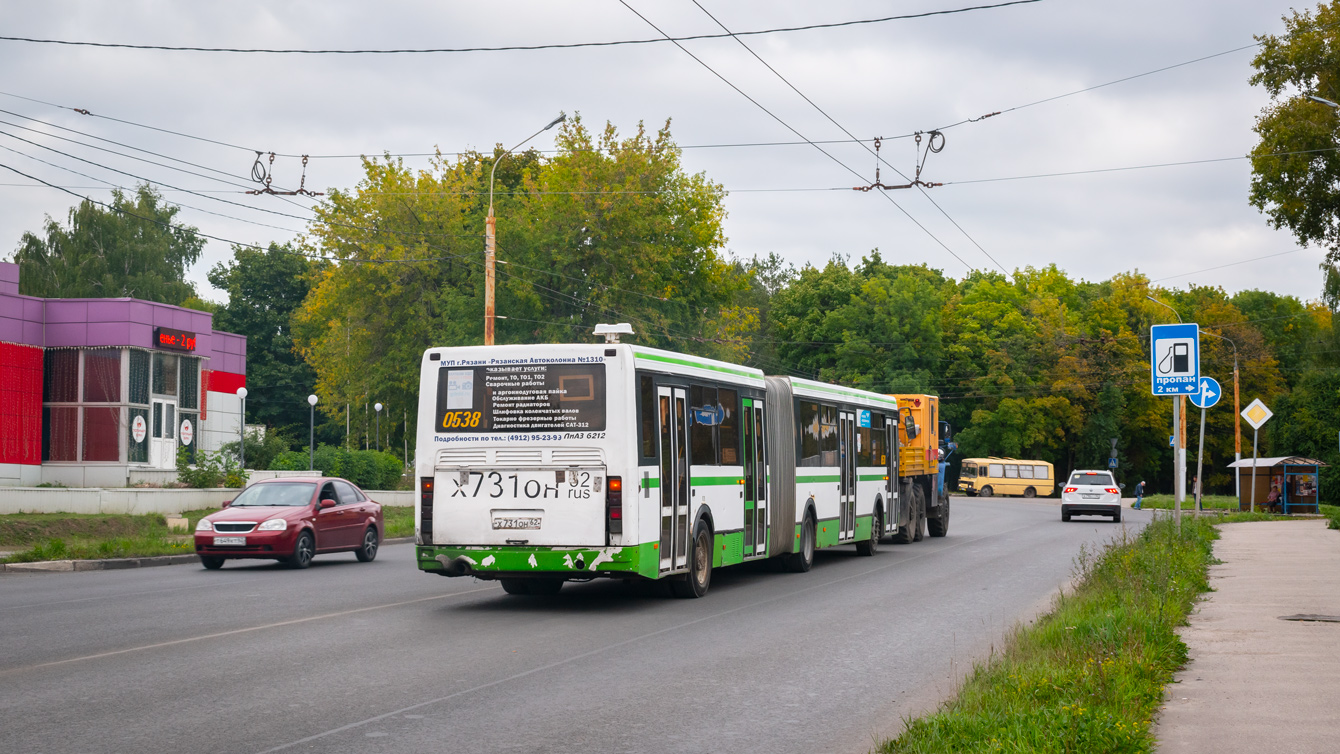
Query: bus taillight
(426, 510)
(614, 504)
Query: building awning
(1262, 463)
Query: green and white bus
(539, 464)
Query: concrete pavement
(1255, 682)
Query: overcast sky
(884, 79)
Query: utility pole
(490, 237)
(1237, 414)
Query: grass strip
(1208, 502)
(1332, 514)
(1089, 676)
(77, 536)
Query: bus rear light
(614, 505)
(426, 510)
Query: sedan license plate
(516, 522)
(222, 541)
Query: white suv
(1091, 493)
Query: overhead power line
(505, 48)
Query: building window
(60, 432)
(102, 375)
(185, 419)
(165, 374)
(190, 382)
(60, 376)
(139, 377)
(137, 451)
(102, 433)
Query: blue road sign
(1174, 359)
(1111, 463)
(1209, 393)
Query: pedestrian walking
(1139, 493)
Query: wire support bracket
(935, 142)
(263, 173)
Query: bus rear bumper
(515, 562)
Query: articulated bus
(539, 464)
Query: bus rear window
(521, 398)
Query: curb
(117, 564)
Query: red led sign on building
(176, 340)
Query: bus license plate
(221, 541)
(510, 522)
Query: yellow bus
(985, 477)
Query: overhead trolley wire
(506, 48)
(792, 129)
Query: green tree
(264, 288)
(1296, 165)
(131, 250)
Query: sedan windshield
(1095, 478)
(286, 494)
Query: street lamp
(311, 434)
(378, 407)
(242, 430)
(1324, 101)
(490, 235)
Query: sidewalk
(1255, 683)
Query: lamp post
(378, 407)
(1179, 438)
(242, 430)
(311, 434)
(490, 235)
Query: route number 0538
(461, 419)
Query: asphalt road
(353, 657)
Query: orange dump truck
(919, 436)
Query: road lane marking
(625, 642)
(248, 629)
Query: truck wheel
(986, 491)
(871, 546)
(919, 532)
(802, 561)
(694, 584)
(903, 535)
(939, 526)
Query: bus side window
(647, 410)
(878, 441)
(997, 470)
(828, 435)
(729, 432)
(1040, 472)
(809, 434)
(1011, 471)
(702, 437)
(1025, 472)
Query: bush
(261, 452)
(368, 469)
(210, 469)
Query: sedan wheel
(370, 543)
(303, 551)
(211, 562)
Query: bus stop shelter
(1293, 481)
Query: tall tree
(131, 250)
(264, 288)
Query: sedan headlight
(274, 524)
(204, 525)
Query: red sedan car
(291, 520)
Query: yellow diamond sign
(1257, 414)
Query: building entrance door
(163, 438)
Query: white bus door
(674, 426)
(755, 480)
(163, 438)
(847, 475)
(894, 502)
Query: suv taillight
(426, 510)
(1113, 490)
(1071, 489)
(614, 505)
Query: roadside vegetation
(1089, 676)
(33, 537)
(1332, 513)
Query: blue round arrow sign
(1208, 395)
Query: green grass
(74, 536)
(1209, 502)
(1332, 513)
(1089, 676)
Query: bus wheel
(939, 526)
(694, 584)
(871, 546)
(516, 586)
(986, 491)
(802, 561)
(1030, 492)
